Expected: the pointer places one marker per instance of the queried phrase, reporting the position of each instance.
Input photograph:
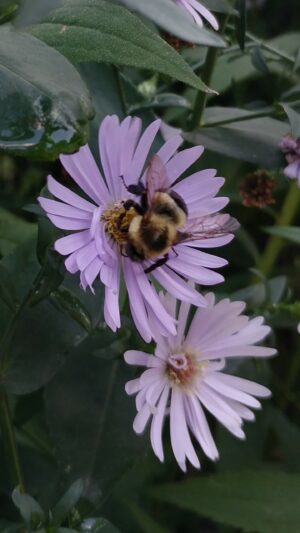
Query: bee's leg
(133, 254)
(173, 250)
(136, 189)
(131, 203)
(158, 263)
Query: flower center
(117, 220)
(182, 368)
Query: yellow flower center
(117, 220)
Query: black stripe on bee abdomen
(156, 240)
(167, 211)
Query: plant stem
(208, 68)
(275, 243)
(120, 90)
(9, 441)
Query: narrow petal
(157, 424)
(178, 287)
(64, 194)
(182, 161)
(71, 243)
(180, 439)
(143, 148)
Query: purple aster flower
(185, 376)
(291, 149)
(110, 221)
(198, 11)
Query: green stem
(207, 72)
(121, 90)
(9, 441)
(275, 243)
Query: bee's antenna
(123, 180)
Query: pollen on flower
(183, 368)
(117, 220)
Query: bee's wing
(156, 177)
(208, 227)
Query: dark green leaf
(43, 336)
(294, 120)
(50, 278)
(67, 502)
(291, 233)
(288, 435)
(7, 289)
(96, 30)
(146, 523)
(255, 141)
(31, 511)
(174, 20)
(258, 60)
(263, 501)
(73, 307)
(13, 231)
(93, 432)
(45, 104)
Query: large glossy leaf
(167, 15)
(45, 106)
(97, 30)
(263, 501)
(93, 432)
(253, 140)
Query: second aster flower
(198, 11)
(291, 149)
(185, 375)
(105, 224)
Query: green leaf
(69, 303)
(93, 432)
(233, 68)
(45, 104)
(42, 337)
(67, 502)
(7, 289)
(13, 231)
(253, 140)
(291, 233)
(96, 30)
(31, 511)
(263, 501)
(167, 15)
(294, 120)
(258, 60)
(97, 525)
(146, 523)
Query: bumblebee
(159, 216)
(152, 227)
